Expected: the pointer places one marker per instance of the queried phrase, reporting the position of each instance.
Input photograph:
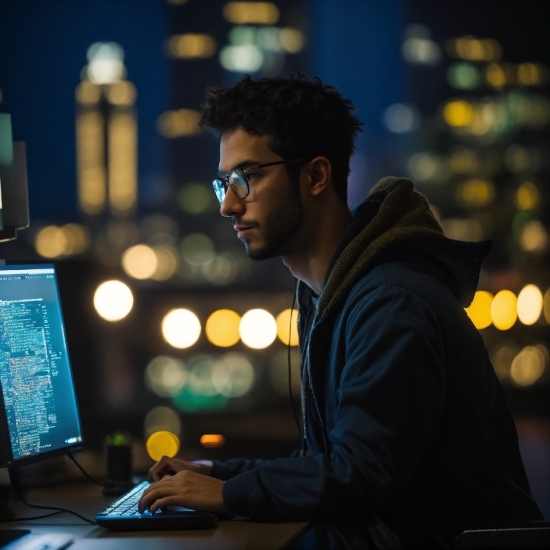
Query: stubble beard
(282, 223)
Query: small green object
(118, 439)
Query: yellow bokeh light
(191, 45)
(528, 366)
(476, 192)
(88, 93)
(546, 307)
(181, 328)
(140, 261)
(77, 237)
(495, 75)
(529, 74)
(182, 122)
(534, 236)
(121, 93)
(458, 113)
(291, 40)
(240, 13)
(527, 196)
(258, 329)
(167, 263)
(50, 242)
(113, 300)
(212, 441)
(529, 304)
(222, 328)
(162, 419)
(283, 327)
(480, 309)
(161, 444)
(504, 309)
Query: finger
(165, 466)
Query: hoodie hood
(396, 223)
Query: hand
(186, 488)
(167, 466)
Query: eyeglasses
(238, 180)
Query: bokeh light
(534, 236)
(463, 76)
(261, 13)
(479, 310)
(458, 113)
(182, 122)
(400, 118)
(233, 375)
(50, 242)
(161, 444)
(241, 58)
(284, 328)
(167, 262)
(502, 359)
(140, 261)
(528, 366)
(165, 376)
(546, 306)
(527, 196)
(212, 441)
(258, 329)
(475, 193)
(190, 46)
(222, 328)
(113, 300)
(162, 418)
(105, 62)
(195, 198)
(529, 304)
(122, 93)
(197, 249)
(181, 328)
(504, 309)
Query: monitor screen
(38, 410)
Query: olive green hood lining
(404, 215)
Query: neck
(310, 264)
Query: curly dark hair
(303, 118)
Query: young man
(407, 434)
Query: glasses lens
(219, 189)
(238, 183)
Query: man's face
(272, 214)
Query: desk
(87, 500)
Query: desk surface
(87, 500)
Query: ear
(319, 173)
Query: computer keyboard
(123, 514)
(127, 504)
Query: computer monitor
(39, 416)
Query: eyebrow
(242, 165)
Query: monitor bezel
(6, 453)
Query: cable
(289, 365)
(32, 517)
(56, 508)
(86, 474)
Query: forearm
(231, 468)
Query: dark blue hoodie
(404, 417)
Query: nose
(232, 206)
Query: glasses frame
(223, 182)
